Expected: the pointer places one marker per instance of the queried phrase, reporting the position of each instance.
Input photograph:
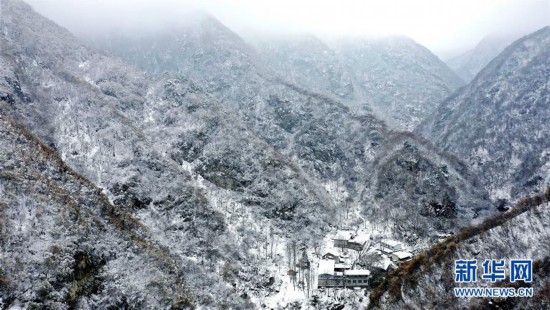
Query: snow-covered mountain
(499, 122)
(308, 62)
(63, 244)
(428, 280)
(131, 137)
(202, 50)
(400, 79)
(334, 147)
(219, 166)
(363, 74)
(468, 64)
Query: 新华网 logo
(493, 270)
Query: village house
(329, 277)
(390, 246)
(384, 263)
(400, 256)
(341, 238)
(355, 244)
(332, 256)
(349, 240)
(341, 267)
(357, 278)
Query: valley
(193, 168)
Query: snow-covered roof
(358, 272)
(391, 243)
(383, 263)
(361, 239)
(342, 266)
(326, 266)
(343, 235)
(402, 254)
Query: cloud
(438, 24)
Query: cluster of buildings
(332, 274)
(335, 270)
(395, 251)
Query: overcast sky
(444, 26)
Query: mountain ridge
(506, 103)
(46, 179)
(470, 63)
(524, 221)
(221, 167)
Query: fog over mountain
(446, 27)
(468, 64)
(180, 155)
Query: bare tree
(268, 226)
(316, 248)
(308, 281)
(348, 206)
(293, 264)
(366, 248)
(291, 254)
(271, 238)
